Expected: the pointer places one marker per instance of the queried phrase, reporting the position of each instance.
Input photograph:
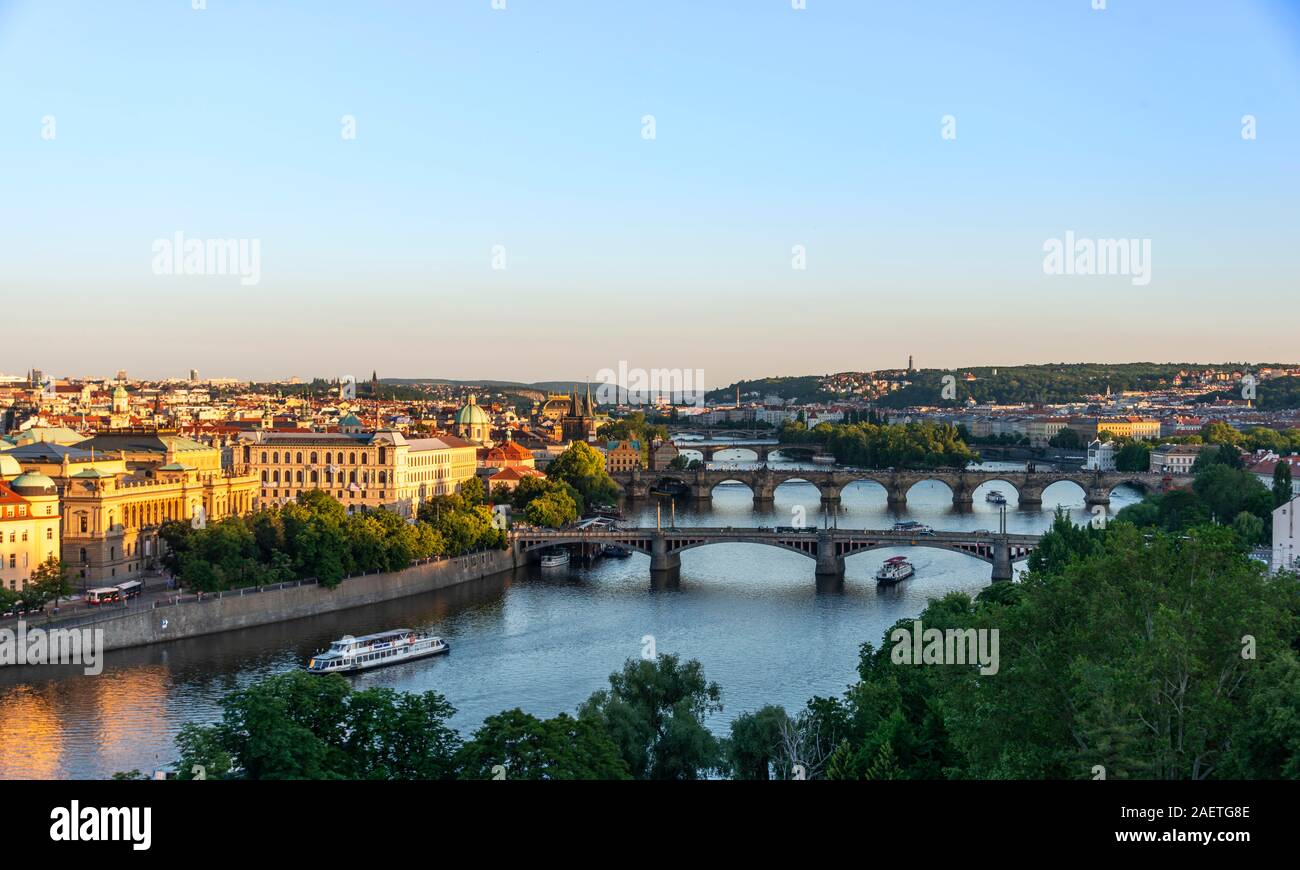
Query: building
(1286, 556)
(473, 423)
(1265, 467)
(113, 515)
(29, 523)
(1101, 456)
(507, 464)
(622, 456)
(1175, 458)
(362, 470)
(580, 423)
(60, 463)
(1130, 427)
(662, 455)
(1041, 430)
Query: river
(752, 615)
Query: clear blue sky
(522, 128)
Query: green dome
(33, 483)
(472, 414)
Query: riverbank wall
(191, 616)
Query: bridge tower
(664, 566)
(1002, 550)
(829, 565)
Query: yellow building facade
(29, 525)
(360, 469)
(111, 520)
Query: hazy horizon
(518, 138)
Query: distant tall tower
(194, 375)
(909, 363)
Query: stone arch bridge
(828, 547)
(1029, 486)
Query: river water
(753, 615)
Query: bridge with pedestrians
(1028, 486)
(828, 547)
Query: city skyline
(651, 182)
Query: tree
(1282, 492)
(754, 747)
(1066, 439)
(654, 712)
(304, 726)
(517, 745)
(49, 582)
(473, 492)
(1134, 456)
(552, 510)
(583, 468)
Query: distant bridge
(762, 451)
(1028, 485)
(828, 547)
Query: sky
(448, 189)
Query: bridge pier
(830, 496)
(1097, 497)
(664, 566)
(896, 494)
(829, 565)
(1029, 496)
(1002, 561)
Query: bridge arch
(1068, 492)
(1002, 485)
(928, 483)
(730, 482)
(718, 455)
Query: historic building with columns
(112, 518)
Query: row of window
(13, 536)
(314, 477)
(273, 458)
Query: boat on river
(557, 559)
(894, 570)
(350, 654)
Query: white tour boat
(824, 459)
(894, 570)
(349, 654)
(995, 497)
(555, 560)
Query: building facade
(29, 526)
(622, 456)
(1175, 458)
(362, 470)
(1286, 556)
(112, 521)
(1101, 456)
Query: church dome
(9, 467)
(472, 414)
(32, 483)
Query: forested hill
(1050, 383)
